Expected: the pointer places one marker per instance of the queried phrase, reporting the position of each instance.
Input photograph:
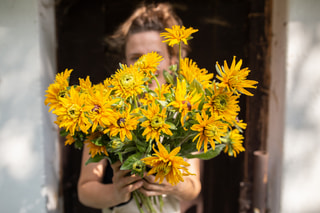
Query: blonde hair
(152, 17)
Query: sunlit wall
(301, 174)
(28, 152)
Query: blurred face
(146, 42)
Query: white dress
(170, 205)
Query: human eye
(131, 59)
(135, 58)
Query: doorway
(226, 28)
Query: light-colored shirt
(170, 205)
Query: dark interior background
(225, 29)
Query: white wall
(28, 139)
(301, 174)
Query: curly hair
(146, 17)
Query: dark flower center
(188, 105)
(157, 122)
(127, 81)
(96, 108)
(220, 102)
(62, 94)
(121, 122)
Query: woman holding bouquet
(105, 186)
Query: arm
(187, 190)
(93, 193)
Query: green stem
(150, 146)
(154, 199)
(135, 102)
(146, 200)
(149, 204)
(159, 87)
(136, 198)
(161, 202)
(186, 138)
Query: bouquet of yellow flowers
(122, 119)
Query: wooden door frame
(228, 190)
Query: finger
(150, 178)
(121, 179)
(131, 179)
(151, 186)
(134, 186)
(149, 193)
(126, 180)
(116, 165)
(119, 174)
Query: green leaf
(78, 144)
(141, 145)
(146, 79)
(209, 92)
(153, 93)
(168, 96)
(127, 165)
(63, 133)
(187, 147)
(142, 119)
(172, 126)
(113, 158)
(190, 37)
(95, 159)
(200, 107)
(218, 70)
(137, 114)
(121, 66)
(197, 85)
(97, 141)
(120, 157)
(129, 149)
(209, 154)
(168, 77)
(163, 103)
(173, 68)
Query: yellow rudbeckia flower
(167, 165)
(71, 113)
(123, 124)
(69, 140)
(234, 143)
(57, 90)
(85, 86)
(149, 98)
(127, 82)
(93, 148)
(99, 107)
(210, 129)
(224, 104)
(155, 123)
(183, 101)
(177, 34)
(148, 63)
(235, 78)
(191, 71)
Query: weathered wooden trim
(257, 107)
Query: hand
(124, 183)
(152, 188)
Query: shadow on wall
(302, 109)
